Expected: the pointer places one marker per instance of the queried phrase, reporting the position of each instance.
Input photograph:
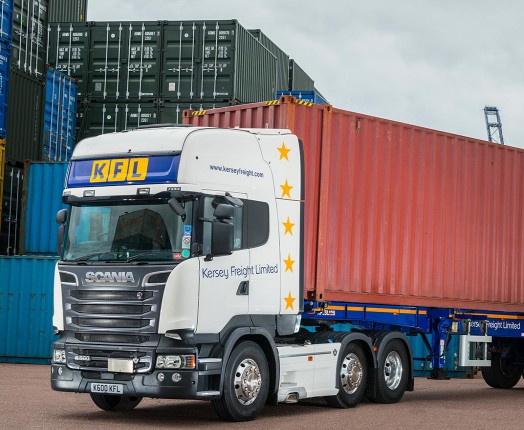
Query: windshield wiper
(96, 254)
(144, 254)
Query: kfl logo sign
(119, 170)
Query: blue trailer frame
(440, 323)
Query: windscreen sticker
(187, 230)
(185, 253)
(186, 242)
(177, 256)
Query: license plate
(107, 388)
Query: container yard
(281, 221)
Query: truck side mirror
(224, 212)
(177, 208)
(61, 218)
(221, 238)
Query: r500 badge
(119, 170)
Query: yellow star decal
(283, 151)
(289, 263)
(289, 226)
(286, 189)
(289, 301)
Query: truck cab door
(224, 280)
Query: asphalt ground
(27, 402)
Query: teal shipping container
(422, 367)
(42, 199)
(26, 309)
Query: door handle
(243, 288)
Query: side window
(210, 203)
(257, 223)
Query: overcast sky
(429, 63)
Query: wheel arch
(265, 341)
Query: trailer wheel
(500, 374)
(246, 384)
(392, 375)
(115, 403)
(353, 377)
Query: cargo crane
(493, 124)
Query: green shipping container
(184, 61)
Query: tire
(500, 375)
(115, 403)
(352, 373)
(392, 375)
(246, 384)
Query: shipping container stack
(132, 74)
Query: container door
(180, 53)
(11, 205)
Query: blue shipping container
(26, 309)
(308, 96)
(5, 56)
(6, 21)
(44, 183)
(59, 116)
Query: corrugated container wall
(30, 36)
(6, 21)
(59, 116)
(2, 172)
(67, 10)
(4, 87)
(186, 62)
(24, 117)
(309, 96)
(42, 199)
(26, 309)
(402, 215)
(11, 209)
(282, 73)
(299, 80)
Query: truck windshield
(135, 232)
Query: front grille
(120, 296)
(111, 323)
(96, 359)
(111, 338)
(112, 309)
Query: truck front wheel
(246, 384)
(391, 378)
(500, 374)
(115, 403)
(352, 373)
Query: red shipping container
(398, 214)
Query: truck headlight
(175, 362)
(59, 356)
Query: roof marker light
(89, 193)
(143, 191)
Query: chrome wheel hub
(351, 373)
(393, 370)
(247, 381)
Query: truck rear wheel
(391, 378)
(500, 374)
(246, 384)
(352, 374)
(115, 403)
